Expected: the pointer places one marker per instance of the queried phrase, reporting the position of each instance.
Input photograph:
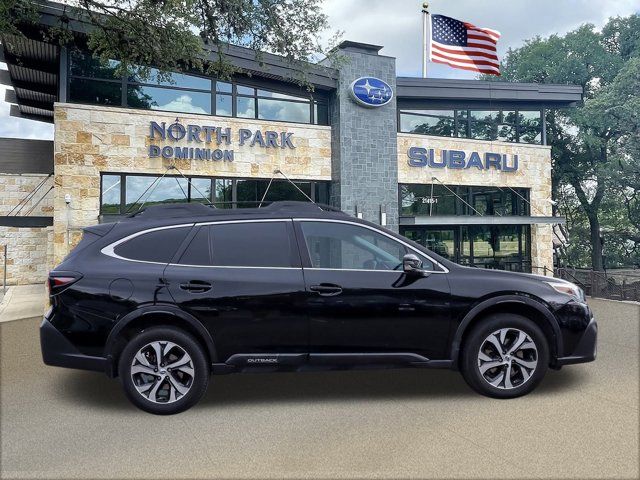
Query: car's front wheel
(505, 356)
(163, 370)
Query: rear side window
(156, 246)
(250, 244)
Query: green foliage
(595, 147)
(178, 35)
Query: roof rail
(173, 210)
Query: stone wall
(27, 248)
(93, 139)
(534, 173)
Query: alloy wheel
(507, 358)
(162, 372)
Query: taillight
(58, 281)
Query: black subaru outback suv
(178, 292)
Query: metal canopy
(469, 93)
(480, 220)
(32, 72)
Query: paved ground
(581, 423)
(23, 301)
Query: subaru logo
(371, 92)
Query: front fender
(487, 304)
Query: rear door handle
(196, 286)
(326, 289)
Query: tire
(157, 387)
(505, 373)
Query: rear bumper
(586, 349)
(57, 351)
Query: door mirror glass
(412, 264)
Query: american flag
(463, 45)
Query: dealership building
(460, 166)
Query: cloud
(13, 127)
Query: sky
(397, 25)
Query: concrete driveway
(581, 423)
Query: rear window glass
(251, 244)
(157, 246)
(258, 244)
(198, 251)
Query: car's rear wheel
(163, 370)
(505, 356)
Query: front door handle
(326, 289)
(196, 286)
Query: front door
(360, 300)
(244, 282)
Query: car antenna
(276, 172)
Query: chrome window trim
(109, 249)
(348, 222)
(231, 266)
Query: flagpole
(425, 37)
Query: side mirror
(411, 264)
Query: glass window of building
(167, 99)
(502, 125)
(125, 193)
(94, 82)
(428, 200)
(200, 190)
(95, 92)
(149, 190)
(502, 247)
(440, 123)
(111, 188)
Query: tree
(176, 35)
(592, 144)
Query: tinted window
(345, 246)
(257, 244)
(198, 252)
(156, 246)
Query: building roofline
(470, 91)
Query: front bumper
(586, 349)
(57, 351)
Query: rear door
(243, 280)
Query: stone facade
(28, 249)
(89, 140)
(364, 142)
(534, 173)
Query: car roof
(175, 213)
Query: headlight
(568, 289)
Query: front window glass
(350, 247)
